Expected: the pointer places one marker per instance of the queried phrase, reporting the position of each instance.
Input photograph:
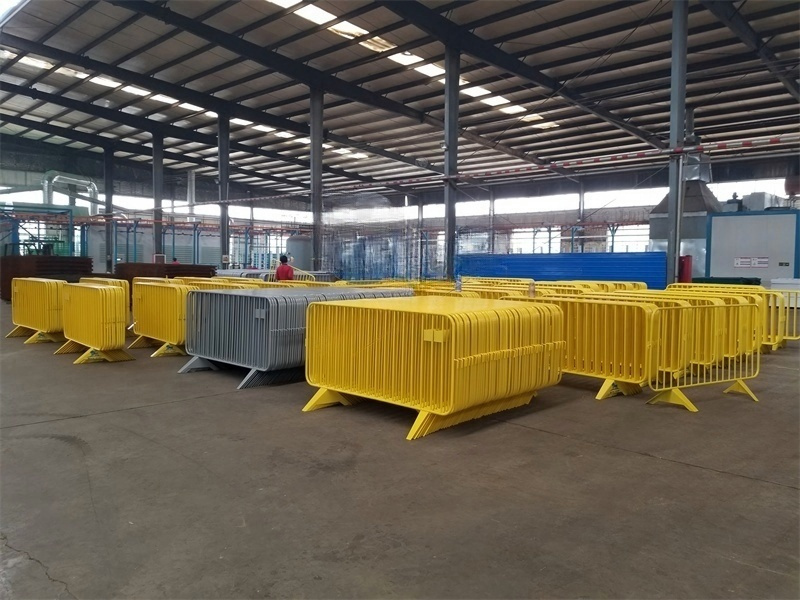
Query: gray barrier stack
(260, 329)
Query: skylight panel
(264, 128)
(241, 122)
(475, 91)
(35, 62)
(348, 30)
(405, 58)
(284, 134)
(378, 44)
(192, 107)
(164, 99)
(546, 125)
(303, 140)
(285, 3)
(136, 91)
(315, 14)
(360, 155)
(73, 73)
(495, 101)
(430, 70)
(532, 117)
(211, 113)
(513, 109)
(342, 151)
(105, 81)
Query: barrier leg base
(70, 347)
(40, 337)
(143, 342)
(256, 378)
(673, 396)
(740, 387)
(324, 398)
(168, 349)
(20, 331)
(196, 363)
(92, 356)
(428, 422)
(612, 388)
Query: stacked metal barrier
(95, 319)
(36, 309)
(262, 330)
(160, 317)
(122, 283)
(452, 359)
(667, 343)
(298, 274)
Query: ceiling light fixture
(132, 89)
(192, 107)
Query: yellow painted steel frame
(774, 307)
(503, 281)
(94, 322)
(451, 359)
(666, 343)
(160, 317)
(421, 291)
(792, 302)
(36, 309)
(207, 283)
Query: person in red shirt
(284, 272)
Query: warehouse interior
(566, 154)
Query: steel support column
(158, 192)
(677, 125)
(316, 176)
(581, 213)
(491, 220)
(224, 168)
(452, 67)
(108, 176)
(420, 232)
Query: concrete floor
(129, 480)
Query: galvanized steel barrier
(160, 317)
(666, 343)
(261, 330)
(95, 319)
(452, 359)
(36, 306)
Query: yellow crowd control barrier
(160, 317)
(774, 308)
(792, 301)
(490, 281)
(668, 344)
(298, 274)
(452, 359)
(564, 288)
(492, 293)
(36, 309)
(611, 286)
(423, 291)
(121, 283)
(206, 283)
(95, 318)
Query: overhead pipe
(51, 178)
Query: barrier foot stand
(40, 337)
(324, 398)
(143, 342)
(197, 363)
(92, 356)
(612, 388)
(673, 396)
(20, 331)
(70, 347)
(256, 378)
(428, 422)
(168, 349)
(740, 387)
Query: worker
(284, 272)
(175, 261)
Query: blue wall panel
(650, 267)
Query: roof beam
(170, 131)
(305, 74)
(101, 142)
(453, 35)
(728, 14)
(185, 94)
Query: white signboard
(751, 262)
